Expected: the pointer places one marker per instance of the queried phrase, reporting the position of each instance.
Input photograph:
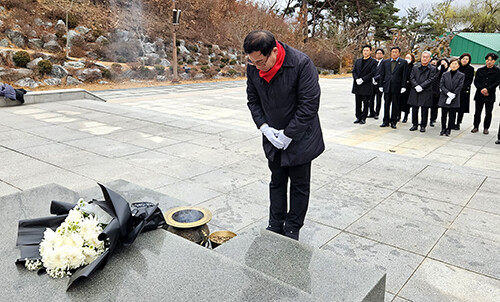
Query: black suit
(365, 70)
(393, 80)
(377, 95)
(488, 78)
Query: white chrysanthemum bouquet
(74, 244)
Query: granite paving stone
(57, 133)
(223, 180)
(106, 147)
(188, 191)
(436, 281)
(408, 234)
(486, 198)
(399, 264)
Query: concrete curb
(36, 97)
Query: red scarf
(280, 57)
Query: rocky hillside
(118, 40)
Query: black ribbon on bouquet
(128, 221)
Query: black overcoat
(395, 80)
(425, 77)
(366, 73)
(290, 102)
(488, 78)
(468, 71)
(451, 84)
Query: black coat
(451, 84)
(488, 78)
(395, 80)
(367, 72)
(468, 71)
(425, 77)
(290, 102)
(435, 86)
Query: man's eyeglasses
(261, 62)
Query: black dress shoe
(292, 234)
(431, 124)
(276, 229)
(448, 132)
(457, 127)
(413, 128)
(442, 132)
(393, 126)
(497, 142)
(362, 122)
(422, 129)
(357, 121)
(384, 125)
(405, 119)
(376, 117)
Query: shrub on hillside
(160, 69)
(44, 67)
(106, 73)
(21, 58)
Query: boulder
(71, 36)
(27, 82)
(123, 35)
(102, 40)
(183, 50)
(53, 82)
(58, 71)
(35, 43)
(161, 78)
(32, 34)
(82, 29)
(89, 74)
(4, 43)
(34, 63)
(101, 66)
(185, 76)
(149, 48)
(199, 76)
(71, 81)
(49, 37)
(60, 26)
(15, 74)
(71, 64)
(16, 37)
(165, 62)
(39, 22)
(52, 46)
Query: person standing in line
(442, 66)
(283, 96)
(377, 94)
(393, 81)
(449, 100)
(363, 73)
(486, 82)
(422, 77)
(410, 58)
(468, 71)
(498, 134)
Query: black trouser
(479, 109)
(434, 108)
(414, 116)
(460, 117)
(391, 114)
(498, 135)
(362, 103)
(375, 97)
(300, 181)
(445, 112)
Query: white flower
(90, 254)
(74, 216)
(55, 260)
(74, 256)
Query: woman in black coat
(449, 98)
(468, 71)
(410, 58)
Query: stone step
(324, 275)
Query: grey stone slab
(428, 210)
(343, 201)
(58, 133)
(442, 184)
(338, 160)
(252, 167)
(106, 147)
(486, 198)
(255, 192)
(390, 174)
(232, 213)
(320, 273)
(436, 281)
(7, 189)
(141, 139)
(223, 180)
(469, 250)
(26, 167)
(189, 192)
(398, 264)
(19, 139)
(408, 234)
(486, 224)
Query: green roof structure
(477, 44)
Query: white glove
(451, 95)
(448, 101)
(272, 135)
(359, 81)
(403, 90)
(419, 88)
(374, 82)
(439, 68)
(285, 139)
(381, 89)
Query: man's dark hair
(365, 46)
(396, 47)
(466, 54)
(491, 55)
(380, 49)
(259, 40)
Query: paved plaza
(421, 207)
